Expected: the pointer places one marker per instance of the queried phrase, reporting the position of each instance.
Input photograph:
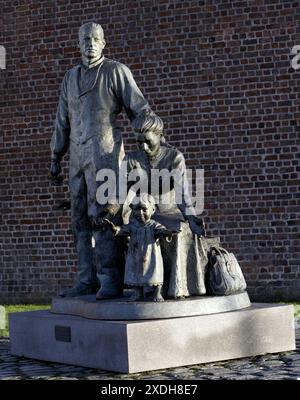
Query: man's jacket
(88, 108)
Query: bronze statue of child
(144, 263)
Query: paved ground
(283, 366)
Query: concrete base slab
(135, 346)
(122, 309)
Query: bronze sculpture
(93, 93)
(144, 268)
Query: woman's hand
(197, 225)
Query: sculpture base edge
(120, 309)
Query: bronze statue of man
(93, 93)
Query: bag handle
(220, 251)
(201, 246)
(224, 250)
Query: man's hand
(111, 225)
(197, 225)
(55, 170)
(100, 222)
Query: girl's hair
(145, 198)
(148, 120)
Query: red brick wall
(218, 73)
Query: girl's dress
(144, 263)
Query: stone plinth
(135, 346)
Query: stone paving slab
(282, 366)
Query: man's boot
(111, 287)
(80, 289)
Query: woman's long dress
(184, 267)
